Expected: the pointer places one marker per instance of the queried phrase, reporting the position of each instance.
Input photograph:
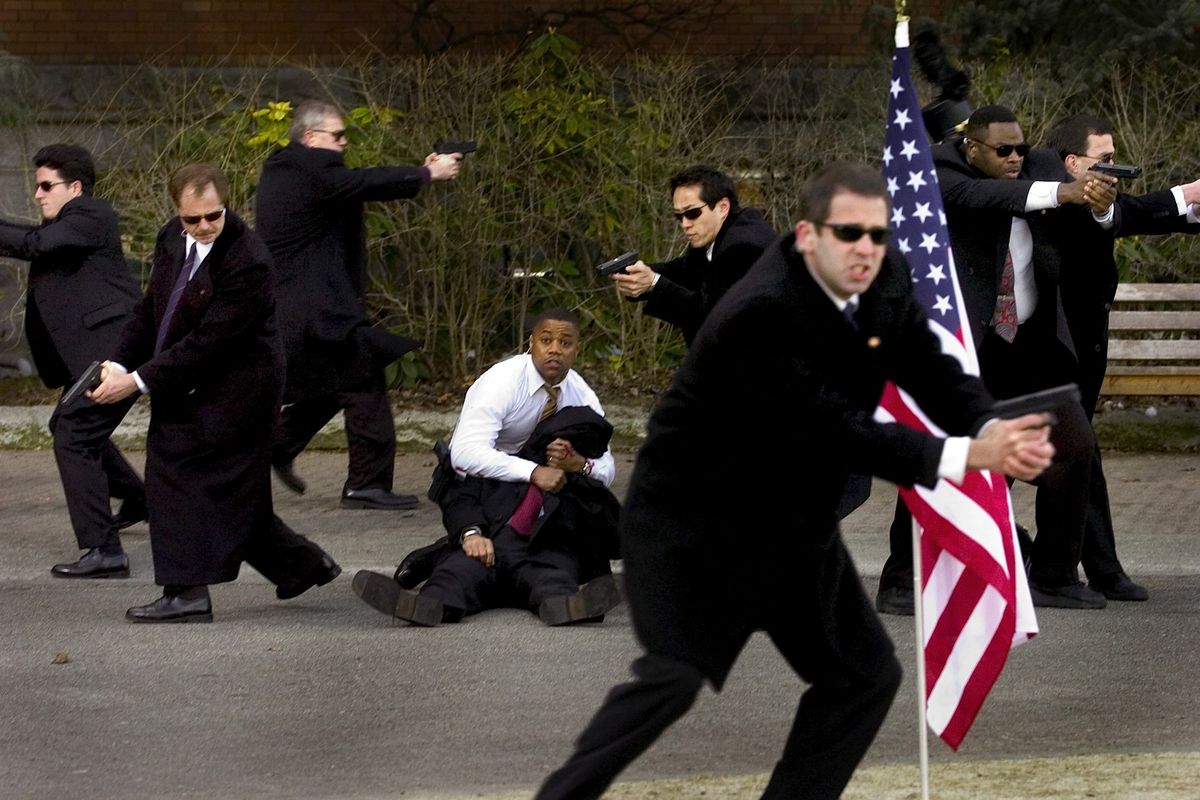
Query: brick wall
(257, 31)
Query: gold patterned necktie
(551, 401)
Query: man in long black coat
(80, 294)
(204, 345)
(774, 406)
(1089, 282)
(724, 239)
(309, 211)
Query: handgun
(1116, 170)
(1043, 402)
(618, 264)
(443, 148)
(89, 380)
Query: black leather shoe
(131, 512)
(1120, 587)
(418, 565)
(94, 564)
(378, 498)
(383, 594)
(897, 600)
(590, 603)
(288, 477)
(172, 609)
(1072, 595)
(322, 574)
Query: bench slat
(1142, 384)
(1158, 293)
(1154, 320)
(1154, 349)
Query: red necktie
(1004, 318)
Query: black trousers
(370, 433)
(524, 575)
(840, 649)
(91, 467)
(281, 555)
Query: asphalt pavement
(321, 697)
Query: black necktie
(848, 313)
(181, 283)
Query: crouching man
(528, 514)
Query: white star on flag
(893, 186)
(937, 274)
(896, 88)
(902, 119)
(929, 242)
(943, 305)
(922, 212)
(909, 150)
(916, 180)
(897, 216)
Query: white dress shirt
(499, 413)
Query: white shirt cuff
(1042, 195)
(953, 464)
(1105, 220)
(654, 280)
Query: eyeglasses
(1006, 150)
(194, 219)
(46, 186)
(692, 213)
(1107, 158)
(337, 135)
(852, 233)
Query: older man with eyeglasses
(80, 293)
(309, 211)
(723, 238)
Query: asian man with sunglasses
(80, 294)
(723, 238)
(203, 344)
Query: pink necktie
(1004, 318)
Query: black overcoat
(309, 211)
(215, 391)
(80, 289)
(732, 507)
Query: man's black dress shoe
(1120, 587)
(288, 477)
(418, 565)
(383, 594)
(322, 574)
(898, 600)
(94, 564)
(1071, 595)
(131, 512)
(589, 604)
(172, 609)
(378, 498)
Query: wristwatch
(588, 466)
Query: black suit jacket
(979, 212)
(733, 500)
(309, 211)
(691, 285)
(1089, 278)
(215, 390)
(80, 288)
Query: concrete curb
(26, 428)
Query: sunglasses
(1006, 150)
(337, 135)
(852, 233)
(46, 186)
(194, 219)
(692, 214)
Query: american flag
(975, 604)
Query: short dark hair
(981, 118)
(559, 314)
(840, 176)
(197, 177)
(713, 184)
(1070, 136)
(310, 114)
(70, 161)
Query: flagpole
(919, 622)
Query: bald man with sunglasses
(723, 238)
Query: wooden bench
(1154, 340)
